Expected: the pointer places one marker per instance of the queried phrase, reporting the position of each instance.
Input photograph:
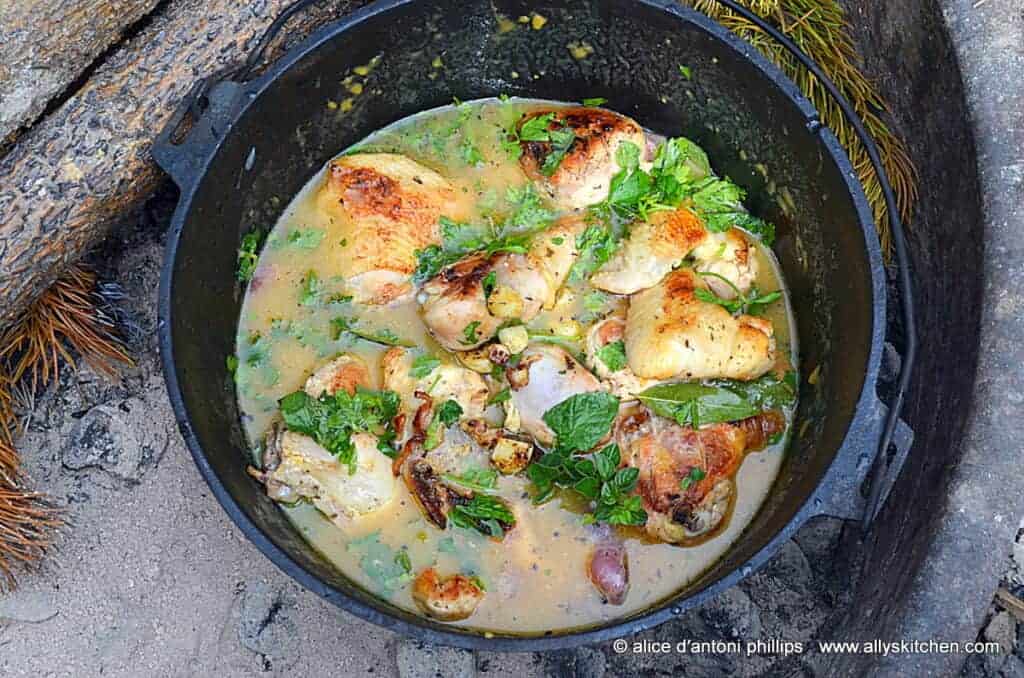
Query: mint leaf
(583, 420)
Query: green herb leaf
(470, 153)
(489, 281)
(449, 412)
(469, 333)
(613, 355)
(594, 101)
(247, 254)
(477, 479)
(389, 569)
(423, 365)
(310, 292)
(694, 476)
(686, 72)
(500, 397)
(305, 238)
(753, 302)
(331, 420)
(487, 515)
(583, 420)
(692, 404)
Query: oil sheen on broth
(535, 579)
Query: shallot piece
(608, 570)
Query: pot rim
(864, 417)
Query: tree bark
(45, 45)
(70, 176)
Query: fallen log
(45, 45)
(70, 176)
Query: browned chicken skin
(446, 598)
(584, 175)
(387, 207)
(683, 504)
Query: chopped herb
(478, 479)
(594, 101)
(596, 245)
(389, 569)
(558, 240)
(470, 153)
(311, 288)
(332, 419)
(597, 478)
(501, 396)
(449, 412)
(613, 355)
(446, 545)
(594, 303)
(247, 256)
(528, 211)
(686, 72)
(469, 333)
(582, 421)
(423, 365)
(232, 363)
(694, 476)
(487, 515)
(538, 130)
(305, 238)
(753, 302)
(379, 335)
(489, 281)
(446, 415)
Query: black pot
(258, 142)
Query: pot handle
(211, 104)
(884, 469)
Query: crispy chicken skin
(666, 455)
(653, 249)
(446, 382)
(448, 598)
(585, 173)
(386, 207)
(670, 333)
(455, 297)
(658, 245)
(344, 373)
(546, 376)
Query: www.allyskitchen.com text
(783, 648)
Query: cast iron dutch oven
(258, 141)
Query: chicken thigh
(670, 333)
(686, 474)
(385, 207)
(584, 175)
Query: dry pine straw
(66, 321)
(819, 28)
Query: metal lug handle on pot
(885, 470)
(843, 496)
(211, 103)
(221, 93)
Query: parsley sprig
(752, 303)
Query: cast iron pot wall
(756, 127)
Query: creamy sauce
(535, 579)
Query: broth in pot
(517, 365)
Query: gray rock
(265, 625)
(1002, 629)
(30, 607)
(422, 660)
(819, 540)
(733, 614)
(783, 592)
(1013, 668)
(122, 440)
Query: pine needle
(67, 320)
(819, 27)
